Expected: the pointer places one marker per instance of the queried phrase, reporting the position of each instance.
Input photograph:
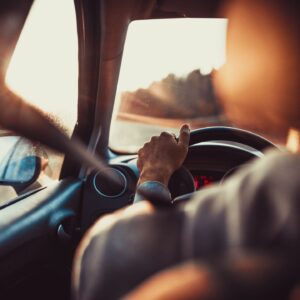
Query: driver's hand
(164, 154)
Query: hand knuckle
(165, 134)
(139, 164)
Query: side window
(44, 71)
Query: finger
(184, 136)
(140, 157)
(140, 152)
(146, 145)
(175, 137)
(166, 135)
(139, 165)
(154, 139)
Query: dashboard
(206, 164)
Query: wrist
(153, 191)
(162, 176)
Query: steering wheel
(230, 134)
(184, 178)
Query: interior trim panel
(31, 224)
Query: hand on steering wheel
(164, 154)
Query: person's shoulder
(278, 170)
(124, 248)
(278, 160)
(265, 181)
(257, 205)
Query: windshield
(166, 80)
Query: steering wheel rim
(220, 133)
(230, 134)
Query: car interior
(41, 226)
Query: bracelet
(156, 191)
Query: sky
(156, 48)
(44, 66)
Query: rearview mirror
(19, 166)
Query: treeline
(174, 97)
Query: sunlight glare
(156, 48)
(44, 67)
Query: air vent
(107, 187)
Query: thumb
(184, 135)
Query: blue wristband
(151, 186)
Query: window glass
(44, 71)
(165, 79)
(44, 67)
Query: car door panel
(29, 227)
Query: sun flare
(44, 66)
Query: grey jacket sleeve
(258, 208)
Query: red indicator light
(196, 183)
(202, 181)
(206, 180)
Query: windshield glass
(166, 80)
